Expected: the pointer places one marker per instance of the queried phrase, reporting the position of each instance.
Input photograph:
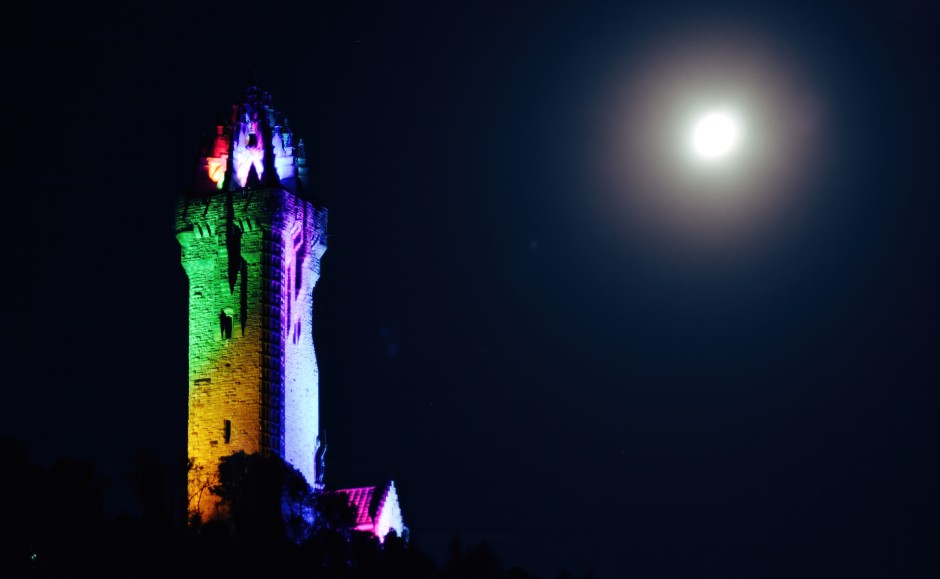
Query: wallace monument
(251, 237)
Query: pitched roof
(376, 509)
(362, 499)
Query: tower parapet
(264, 144)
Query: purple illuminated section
(301, 243)
(249, 150)
(389, 515)
(244, 138)
(377, 510)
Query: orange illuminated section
(218, 162)
(216, 167)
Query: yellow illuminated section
(216, 168)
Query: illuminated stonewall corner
(251, 238)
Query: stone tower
(251, 238)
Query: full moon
(714, 135)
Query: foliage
(54, 526)
(267, 499)
(334, 512)
(200, 481)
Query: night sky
(510, 323)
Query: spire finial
(269, 170)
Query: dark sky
(577, 394)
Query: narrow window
(225, 324)
(228, 431)
(299, 255)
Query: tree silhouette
(482, 563)
(147, 476)
(267, 501)
(478, 562)
(53, 526)
(454, 566)
(21, 532)
(334, 511)
(518, 573)
(200, 481)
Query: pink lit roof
(361, 498)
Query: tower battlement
(262, 146)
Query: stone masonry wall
(257, 390)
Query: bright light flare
(715, 135)
(704, 144)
